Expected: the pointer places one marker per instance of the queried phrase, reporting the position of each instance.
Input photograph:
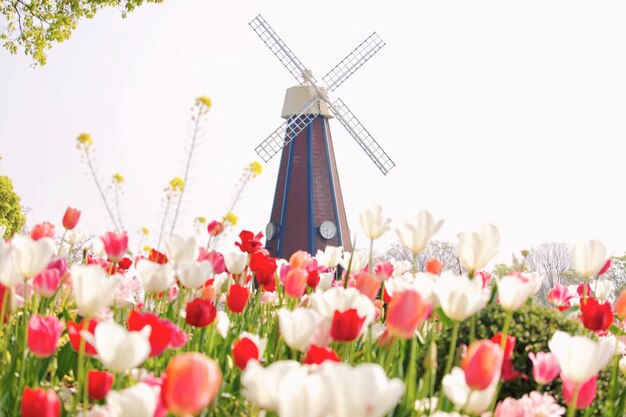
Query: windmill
(308, 211)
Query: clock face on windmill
(328, 230)
(270, 231)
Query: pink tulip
(586, 391)
(407, 311)
(47, 282)
(115, 245)
(42, 230)
(295, 282)
(43, 335)
(481, 364)
(191, 383)
(545, 367)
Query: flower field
(185, 331)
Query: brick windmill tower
(308, 211)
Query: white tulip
(93, 288)
(222, 323)
(303, 394)
(193, 274)
(373, 223)
(422, 282)
(603, 289)
(179, 250)
(326, 281)
(330, 257)
(579, 357)
(589, 257)
(400, 267)
(260, 385)
(342, 299)
(459, 296)
(415, 236)
(31, 256)
(120, 350)
(235, 262)
(363, 390)
(140, 400)
(9, 276)
(475, 249)
(513, 291)
(155, 277)
(221, 283)
(359, 260)
(298, 326)
(472, 401)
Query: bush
(532, 326)
(10, 210)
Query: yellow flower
(117, 178)
(84, 139)
(145, 231)
(177, 184)
(203, 101)
(146, 248)
(255, 168)
(201, 219)
(230, 218)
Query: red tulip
(162, 333)
(244, 350)
(191, 382)
(318, 354)
(367, 284)
(295, 282)
(115, 245)
(43, 335)
(249, 242)
(70, 218)
(596, 316)
(407, 312)
(264, 267)
(42, 230)
(158, 257)
(74, 329)
(39, 402)
(125, 264)
(586, 391)
(200, 313)
(346, 325)
(215, 228)
(434, 266)
(100, 383)
(508, 368)
(481, 364)
(237, 298)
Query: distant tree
(617, 273)
(35, 24)
(10, 210)
(444, 251)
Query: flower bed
(184, 331)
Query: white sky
(494, 111)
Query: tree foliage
(10, 210)
(34, 25)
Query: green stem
(450, 361)
(81, 365)
(411, 375)
(571, 410)
(613, 387)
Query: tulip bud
(191, 383)
(115, 245)
(100, 383)
(367, 284)
(244, 350)
(70, 218)
(318, 354)
(620, 305)
(38, 402)
(346, 325)
(586, 391)
(215, 228)
(46, 282)
(430, 359)
(545, 367)
(434, 266)
(74, 329)
(407, 312)
(295, 282)
(42, 230)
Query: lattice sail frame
(288, 130)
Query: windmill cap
(296, 97)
